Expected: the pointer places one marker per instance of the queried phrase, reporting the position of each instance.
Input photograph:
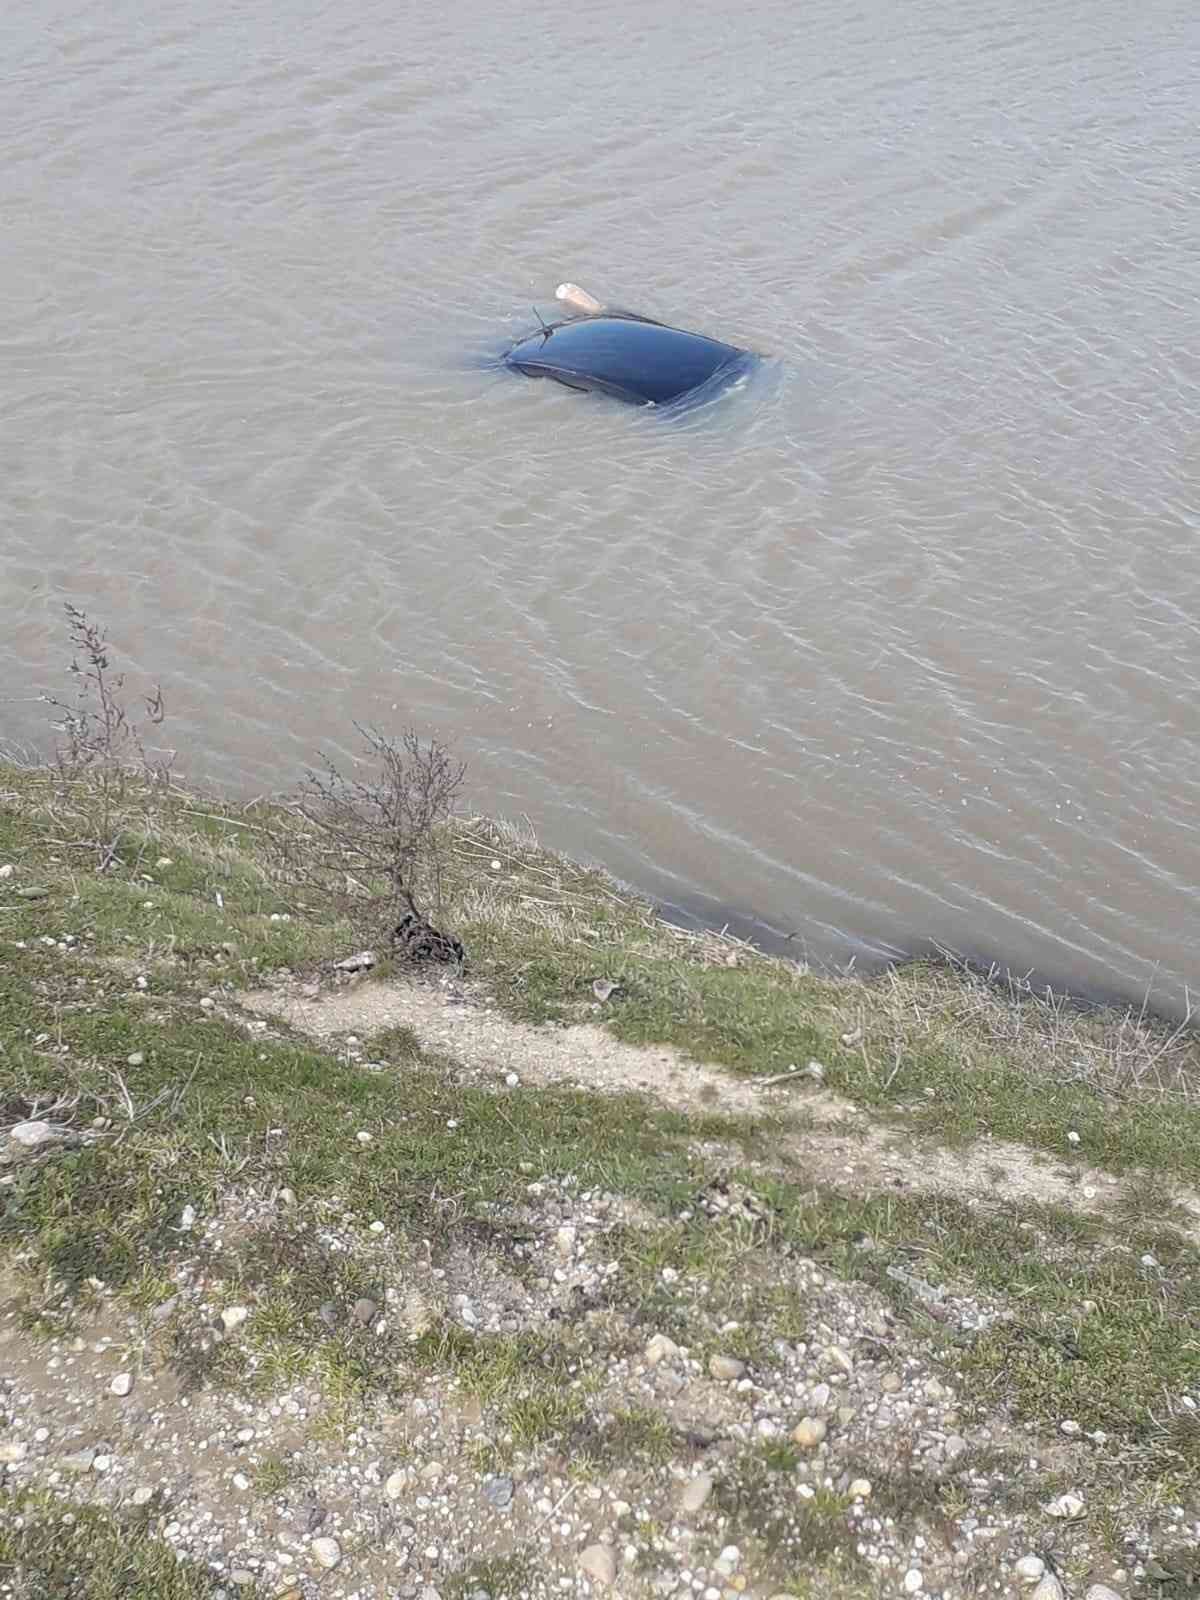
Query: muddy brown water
(899, 643)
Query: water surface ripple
(898, 644)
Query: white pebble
(914, 1581)
(121, 1384)
(1072, 1137)
(233, 1316)
(1029, 1568)
(327, 1551)
(1067, 1505)
(31, 1134)
(860, 1489)
(660, 1348)
(364, 1137)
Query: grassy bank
(983, 1201)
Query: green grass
(1110, 1369)
(211, 1111)
(795, 1539)
(83, 1553)
(945, 1052)
(501, 1577)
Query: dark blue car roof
(626, 356)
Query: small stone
(287, 1197)
(511, 1080)
(327, 1551)
(233, 1316)
(604, 989)
(241, 1482)
(101, 1463)
(660, 1348)
(241, 1576)
(7, 870)
(356, 963)
(396, 1483)
(1072, 1137)
(860, 1489)
(35, 891)
(136, 1059)
(695, 1492)
(143, 1495)
(809, 1432)
(1048, 1588)
(1029, 1568)
(914, 1581)
(121, 1384)
(891, 1383)
(79, 1460)
(32, 1134)
(838, 1358)
(1070, 1428)
(1067, 1505)
(726, 1368)
(498, 1492)
(365, 1311)
(599, 1564)
(564, 1241)
(936, 1391)
(1101, 1591)
(207, 1003)
(364, 1137)
(12, 1451)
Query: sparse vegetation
(200, 1154)
(87, 1554)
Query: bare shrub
(101, 758)
(373, 842)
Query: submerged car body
(630, 357)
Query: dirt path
(820, 1134)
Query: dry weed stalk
(373, 843)
(1125, 1053)
(102, 762)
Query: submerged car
(625, 355)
